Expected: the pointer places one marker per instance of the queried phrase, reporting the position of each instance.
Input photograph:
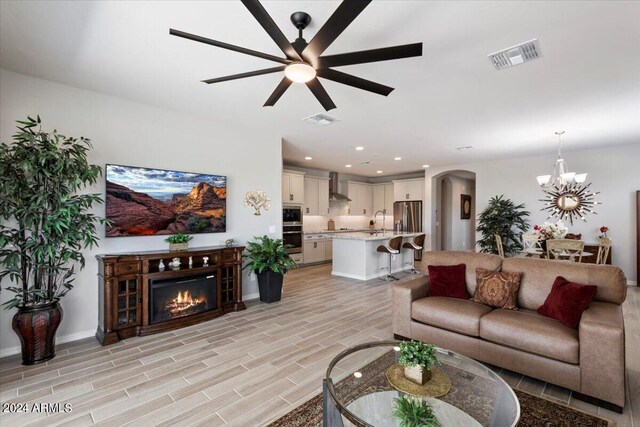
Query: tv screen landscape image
(144, 202)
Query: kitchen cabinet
(314, 251)
(316, 196)
(408, 189)
(328, 249)
(382, 198)
(297, 258)
(361, 198)
(292, 188)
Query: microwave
(292, 215)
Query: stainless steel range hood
(334, 196)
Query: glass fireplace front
(173, 298)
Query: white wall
(459, 234)
(125, 132)
(613, 172)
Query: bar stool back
(416, 245)
(392, 248)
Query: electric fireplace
(184, 296)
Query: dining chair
(565, 249)
(499, 245)
(530, 244)
(603, 250)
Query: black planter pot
(270, 286)
(36, 327)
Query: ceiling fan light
(580, 178)
(543, 179)
(300, 72)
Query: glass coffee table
(357, 392)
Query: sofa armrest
(602, 359)
(403, 295)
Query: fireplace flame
(182, 302)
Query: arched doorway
(452, 224)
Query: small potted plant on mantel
(417, 358)
(178, 242)
(44, 226)
(269, 260)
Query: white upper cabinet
(292, 188)
(388, 198)
(323, 197)
(383, 198)
(361, 198)
(316, 196)
(408, 189)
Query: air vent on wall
(515, 55)
(320, 119)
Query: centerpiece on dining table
(548, 231)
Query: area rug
(473, 391)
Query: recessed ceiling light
(308, 158)
(347, 166)
(397, 158)
(378, 171)
(425, 166)
(359, 148)
(466, 147)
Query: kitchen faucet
(383, 219)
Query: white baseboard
(632, 282)
(59, 340)
(249, 297)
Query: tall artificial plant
(268, 254)
(45, 222)
(506, 219)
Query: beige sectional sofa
(590, 360)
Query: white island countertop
(373, 235)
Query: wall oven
(292, 228)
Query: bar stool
(415, 245)
(392, 248)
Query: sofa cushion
(529, 331)
(539, 275)
(497, 289)
(453, 314)
(472, 260)
(567, 301)
(447, 281)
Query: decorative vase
(178, 247)
(543, 245)
(417, 374)
(36, 327)
(270, 286)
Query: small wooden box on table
(124, 280)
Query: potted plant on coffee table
(417, 358)
(269, 260)
(414, 412)
(178, 241)
(45, 225)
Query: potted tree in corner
(45, 226)
(270, 261)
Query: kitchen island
(355, 255)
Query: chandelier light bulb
(300, 72)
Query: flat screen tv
(144, 202)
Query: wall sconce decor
(257, 200)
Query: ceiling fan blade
(282, 87)
(264, 19)
(243, 75)
(223, 45)
(373, 55)
(335, 25)
(321, 94)
(354, 81)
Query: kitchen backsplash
(316, 223)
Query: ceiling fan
(303, 62)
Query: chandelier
(561, 177)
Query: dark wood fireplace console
(124, 280)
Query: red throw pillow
(567, 301)
(448, 281)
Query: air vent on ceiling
(466, 147)
(366, 163)
(515, 55)
(320, 119)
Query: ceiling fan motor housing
(300, 20)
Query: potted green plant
(269, 260)
(45, 225)
(417, 358)
(414, 412)
(178, 241)
(507, 220)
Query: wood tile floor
(243, 369)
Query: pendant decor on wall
(569, 201)
(257, 200)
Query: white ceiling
(587, 83)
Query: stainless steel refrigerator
(407, 216)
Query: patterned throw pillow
(497, 289)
